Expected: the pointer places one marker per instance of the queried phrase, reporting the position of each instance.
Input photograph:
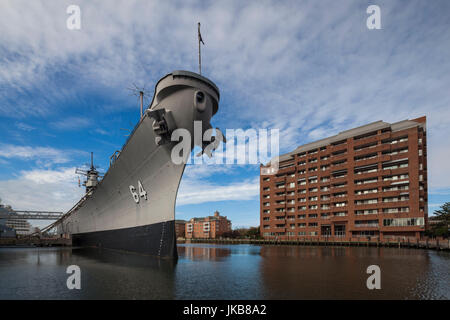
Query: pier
(434, 244)
(35, 242)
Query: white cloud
(198, 171)
(196, 188)
(102, 132)
(194, 192)
(72, 123)
(440, 191)
(47, 154)
(49, 176)
(53, 190)
(24, 126)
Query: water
(226, 272)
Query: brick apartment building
(209, 227)
(180, 227)
(369, 181)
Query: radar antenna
(137, 91)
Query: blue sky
(307, 68)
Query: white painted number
(142, 192)
(134, 194)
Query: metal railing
(32, 215)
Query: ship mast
(199, 36)
(141, 96)
(91, 175)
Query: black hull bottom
(155, 239)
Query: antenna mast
(141, 95)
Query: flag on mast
(199, 52)
(200, 39)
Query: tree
(444, 212)
(232, 234)
(253, 233)
(442, 216)
(243, 233)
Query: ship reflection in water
(226, 272)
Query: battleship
(132, 208)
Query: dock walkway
(418, 244)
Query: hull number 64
(140, 194)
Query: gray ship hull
(110, 216)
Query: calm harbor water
(206, 271)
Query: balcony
(338, 147)
(339, 167)
(339, 198)
(324, 162)
(366, 225)
(364, 214)
(369, 149)
(338, 157)
(367, 206)
(368, 162)
(339, 179)
(291, 197)
(287, 170)
(283, 197)
(279, 205)
(339, 218)
(370, 182)
(394, 193)
(339, 188)
(366, 175)
(366, 140)
(364, 196)
(399, 156)
(394, 204)
(387, 183)
(397, 171)
(324, 151)
(278, 229)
